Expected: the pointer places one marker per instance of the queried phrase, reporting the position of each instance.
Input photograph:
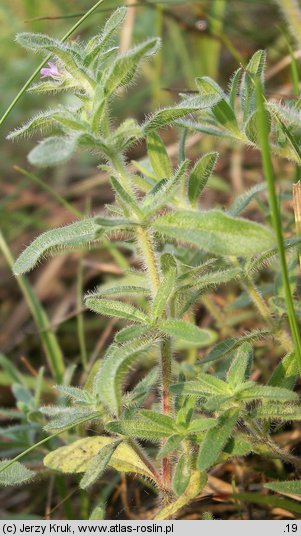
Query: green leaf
(222, 111)
(164, 191)
(164, 293)
(125, 66)
(216, 438)
(169, 446)
(291, 487)
(62, 417)
(115, 309)
(98, 464)
(240, 367)
(277, 412)
(242, 201)
(211, 280)
(254, 70)
(262, 260)
(130, 333)
(199, 176)
(180, 329)
(15, 474)
(125, 197)
(158, 156)
(75, 458)
(140, 428)
(75, 393)
(52, 151)
(44, 121)
(119, 290)
(224, 348)
(201, 425)
(158, 418)
(181, 475)
(71, 236)
(234, 83)
(98, 44)
(204, 385)
(216, 232)
(286, 372)
(116, 364)
(167, 116)
(262, 392)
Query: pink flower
(51, 71)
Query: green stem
(147, 247)
(263, 132)
(48, 338)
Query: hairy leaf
(74, 235)
(199, 176)
(262, 392)
(141, 428)
(14, 474)
(292, 487)
(158, 156)
(277, 412)
(255, 69)
(98, 464)
(203, 386)
(53, 151)
(216, 232)
(125, 66)
(285, 374)
(224, 348)
(163, 293)
(109, 379)
(216, 438)
(240, 367)
(242, 201)
(182, 475)
(75, 458)
(169, 446)
(180, 329)
(116, 308)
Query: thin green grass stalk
(263, 132)
(36, 72)
(49, 341)
(59, 198)
(216, 18)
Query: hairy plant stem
(147, 247)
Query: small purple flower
(51, 71)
